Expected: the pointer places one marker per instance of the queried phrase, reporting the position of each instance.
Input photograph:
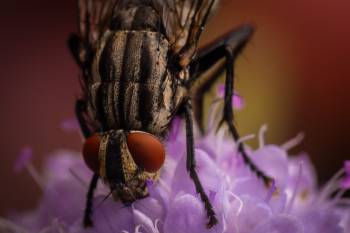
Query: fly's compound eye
(90, 152)
(146, 150)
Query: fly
(141, 67)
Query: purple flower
(237, 100)
(242, 203)
(346, 180)
(70, 125)
(23, 159)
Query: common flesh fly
(141, 67)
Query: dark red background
(39, 79)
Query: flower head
(243, 204)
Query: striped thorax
(132, 86)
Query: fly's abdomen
(132, 87)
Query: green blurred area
(266, 78)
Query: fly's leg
(232, 50)
(228, 47)
(191, 165)
(210, 64)
(87, 221)
(80, 110)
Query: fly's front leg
(87, 221)
(80, 111)
(210, 65)
(227, 48)
(232, 50)
(191, 165)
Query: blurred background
(294, 76)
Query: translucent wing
(184, 20)
(94, 19)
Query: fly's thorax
(118, 168)
(133, 86)
(126, 51)
(139, 15)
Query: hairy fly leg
(87, 221)
(80, 111)
(210, 64)
(222, 54)
(191, 165)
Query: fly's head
(125, 160)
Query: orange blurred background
(294, 76)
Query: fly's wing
(184, 20)
(94, 19)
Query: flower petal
(186, 214)
(345, 183)
(23, 159)
(273, 161)
(253, 212)
(142, 220)
(323, 220)
(280, 224)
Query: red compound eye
(90, 152)
(146, 150)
